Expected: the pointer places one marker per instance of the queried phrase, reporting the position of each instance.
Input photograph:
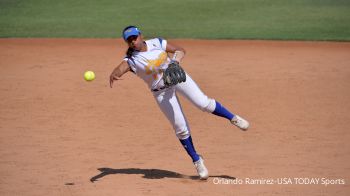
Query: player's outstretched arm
(178, 51)
(120, 70)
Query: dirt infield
(61, 135)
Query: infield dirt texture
(61, 135)
(57, 130)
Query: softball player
(148, 59)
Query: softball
(89, 75)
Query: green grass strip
(200, 19)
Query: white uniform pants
(169, 104)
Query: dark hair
(130, 50)
(128, 27)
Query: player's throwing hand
(118, 72)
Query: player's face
(135, 42)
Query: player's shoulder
(156, 42)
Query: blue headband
(130, 32)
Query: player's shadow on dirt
(149, 174)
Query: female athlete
(148, 59)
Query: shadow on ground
(149, 174)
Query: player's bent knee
(182, 134)
(210, 106)
(206, 105)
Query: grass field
(204, 19)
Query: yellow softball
(89, 75)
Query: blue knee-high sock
(188, 145)
(220, 110)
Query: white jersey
(149, 65)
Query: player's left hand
(174, 74)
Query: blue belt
(158, 89)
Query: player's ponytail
(129, 52)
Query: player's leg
(171, 107)
(193, 93)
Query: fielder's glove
(174, 74)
